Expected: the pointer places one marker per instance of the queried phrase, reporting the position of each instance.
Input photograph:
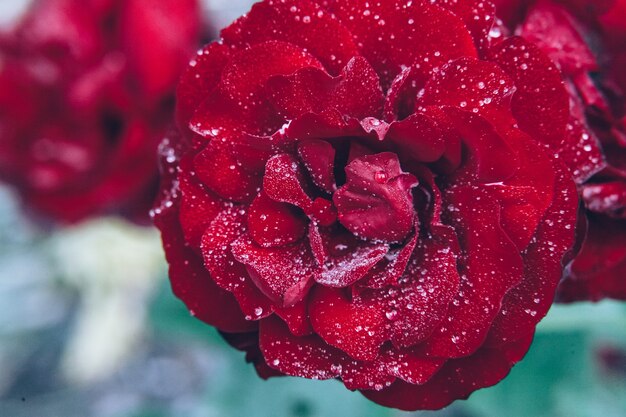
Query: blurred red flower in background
(86, 93)
(369, 191)
(587, 41)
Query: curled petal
(377, 186)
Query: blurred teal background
(89, 328)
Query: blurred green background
(89, 328)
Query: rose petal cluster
(86, 93)
(587, 41)
(371, 191)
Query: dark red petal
(354, 93)
(529, 302)
(198, 205)
(376, 201)
(418, 137)
(431, 281)
(365, 375)
(608, 198)
(489, 268)
(400, 98)
(310, 357)
(219, 117)
(526, 196)
(346, 269)
(492, 158)
(227, 273)
(478, 16)
(599, 270)
(306, 357)
(327, 125)
(274, 224)
(283, 274)
(391, 267)
(540, 104)
(395, 34)
(284, 181)
(318, 246)
(480, 86)
(318, 156)
(244, 78)
(218, 169)
(302, 23)
(198, 80)
(355, 328)
(581, 151)
(296, 317)
(252, 151)
(556, 33)
(456, 380)
(409, 366)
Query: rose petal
(391, 267)
(284, 181)
(555, 32)
(219, 170)
(425, 291)
(478, 16)
(296, 317)
(198, 80)
(283, 274)
(301, 23)
(457, 379)
(419, 137)
(376, 203)
(318, 157)
(529, 302)
(409, 366)
(274, 224)
(599, 269)
(540, 104)
(343, 271)
(355, 328)
(608, 198)
(469, 83)
(355, 92)
(489, 268)
(492, 158)
(311, 357)
(198, 205)
(228, 274)
(247, 72)
(395, 34)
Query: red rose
(587, 41)
(86, 91)
(367, 191)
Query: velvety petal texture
(586, 41)
(86, 94)
(380, 187)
